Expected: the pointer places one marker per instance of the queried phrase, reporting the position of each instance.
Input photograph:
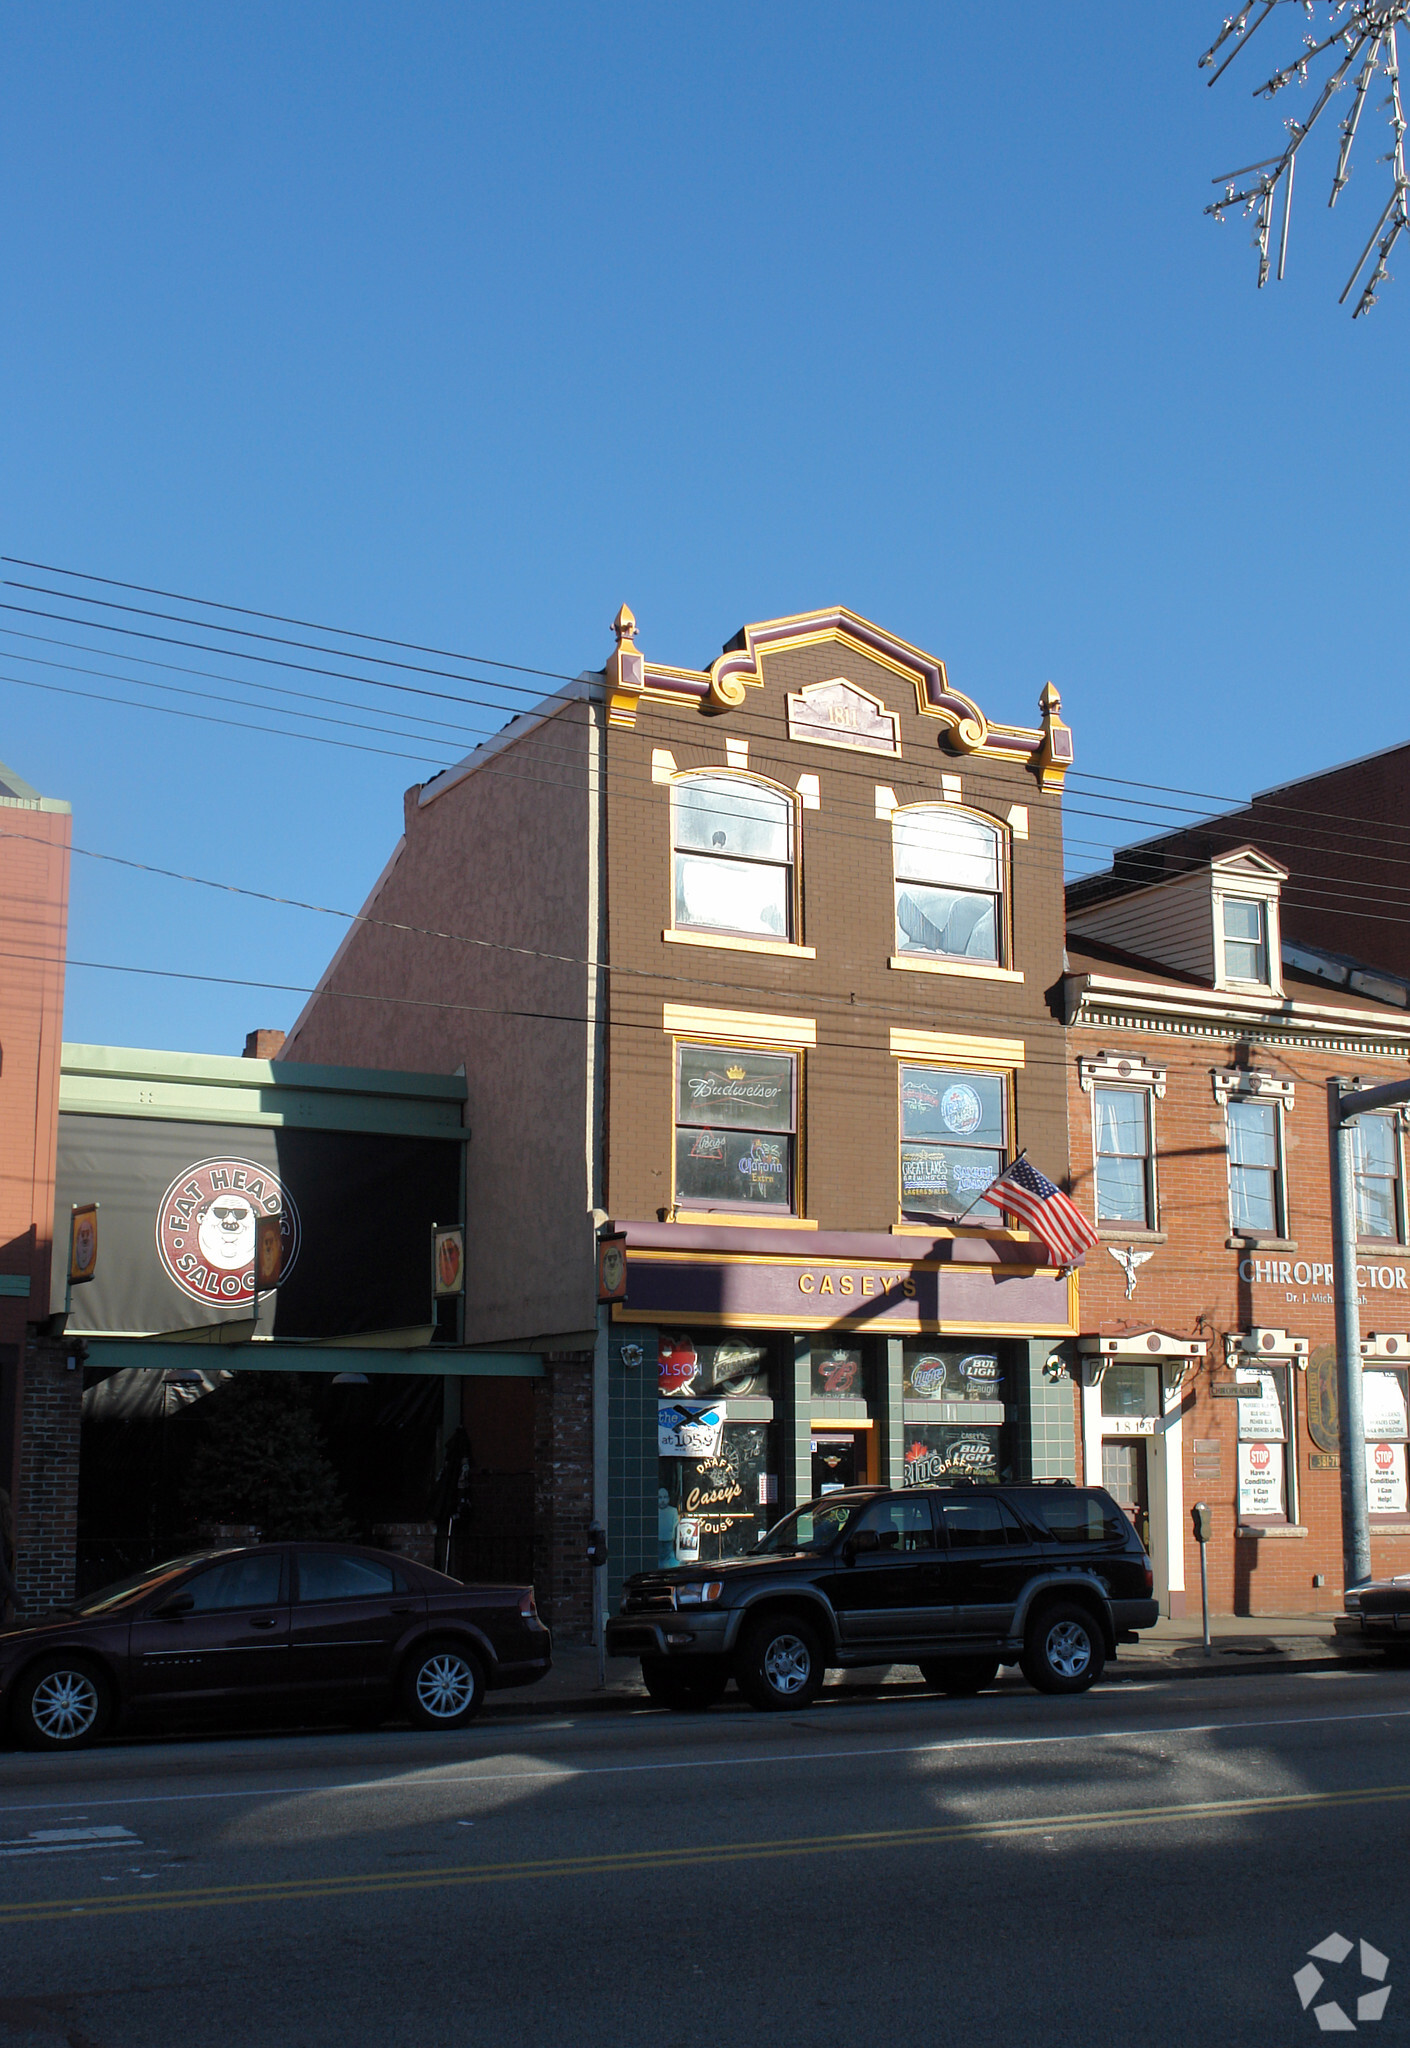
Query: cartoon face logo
(206, 1229)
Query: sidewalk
(1171, 1650)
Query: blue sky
(464, 324)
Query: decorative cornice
(1251, 1081)
(1102, 1002)
(1130, 1069)
(726, 684)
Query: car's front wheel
(780, 1663)
(62, 1703)
(443, 1686)
(960, 1677)
(684, 1687)
(1063, 1650)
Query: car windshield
(134, 1588)
(815, 1527)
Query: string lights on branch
(1356, 43)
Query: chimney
(263, 1045)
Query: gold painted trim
(977, 1232)
(800, 1259)
(752, 1027)
(975, 973)
(839, 1425)
(919, 1327)
(785, 948)
(964, 1050)
(736, 1219)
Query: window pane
(1376, 1146)
(1243, 918)
(745, 1090)
(725, 815)
(935, 1372)
(1131, 1390)
(1243, 962)
(936, 1452)
(943, 845)
(1383, 1406)
(1121, 1121)
(732, 896)
(323, 1575)
(937, 1102)
(1079, 1517)
(942, 1180)
(900, 1524)
(1253, 1199)
(972, 1524)
(244, 1582)
(1253, 1133)
(1121, 1191)
(963, 927)
(1375, 1208)
(734, 1166)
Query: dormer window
(1245, 933)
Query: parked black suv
(957, 1579)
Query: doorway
(838, 1460)
(1125, 1478)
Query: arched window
(733, 842)
(949, 884)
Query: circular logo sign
(961, 1110)
(1259, 1457)
(206, 1229)
(1385, 1457)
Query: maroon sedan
(284, 1628)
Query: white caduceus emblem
(1130, 1262)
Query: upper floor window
(1380, 1166)
(949, 883)
(736, 1128)
(1244, 923)
(1121, 1125)
(954, 1133)
(1255, 1166)
(733, 856)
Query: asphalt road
(1148, 1864)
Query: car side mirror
(173, 1609)
(865, 1539)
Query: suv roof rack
(1049, 1482)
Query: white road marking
(570, 1773)
(64, 1841)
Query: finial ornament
(1054, 756)
(625, 672)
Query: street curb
(1135, 1671)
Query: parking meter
(1202, 1517)
(597, 1546)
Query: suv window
(323, 1575)
(1074, 1517)
(899, 1524)
(968, 1524)
(243, 1582)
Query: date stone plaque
(840, 714)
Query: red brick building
(1203, 1044)
(39, 1392)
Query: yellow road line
(283, 1890)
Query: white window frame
(1245, 1084)
(734, 934)
(1396, 1119)
(1003, 896)
(1114, 1224)
(1245, 890)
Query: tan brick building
(1202, 1050)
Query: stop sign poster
(1261, 1480)
(1385, 1479)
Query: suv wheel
(684, 1688)
(62, 1703)
(960, 1677)
(442, 1686)
(1063, 1650)
(780, 1663)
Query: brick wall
(563, 1493)
(46, 1507)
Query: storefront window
(840, 1373)
(952, 1372)
(1263, 1445)
(738, 1365)
(953, 1134)
(735, 1123)
(1383, 1406)
(717, 1504)
(939, 1451)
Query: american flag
(1045, 1209)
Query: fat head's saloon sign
(206, 1228)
